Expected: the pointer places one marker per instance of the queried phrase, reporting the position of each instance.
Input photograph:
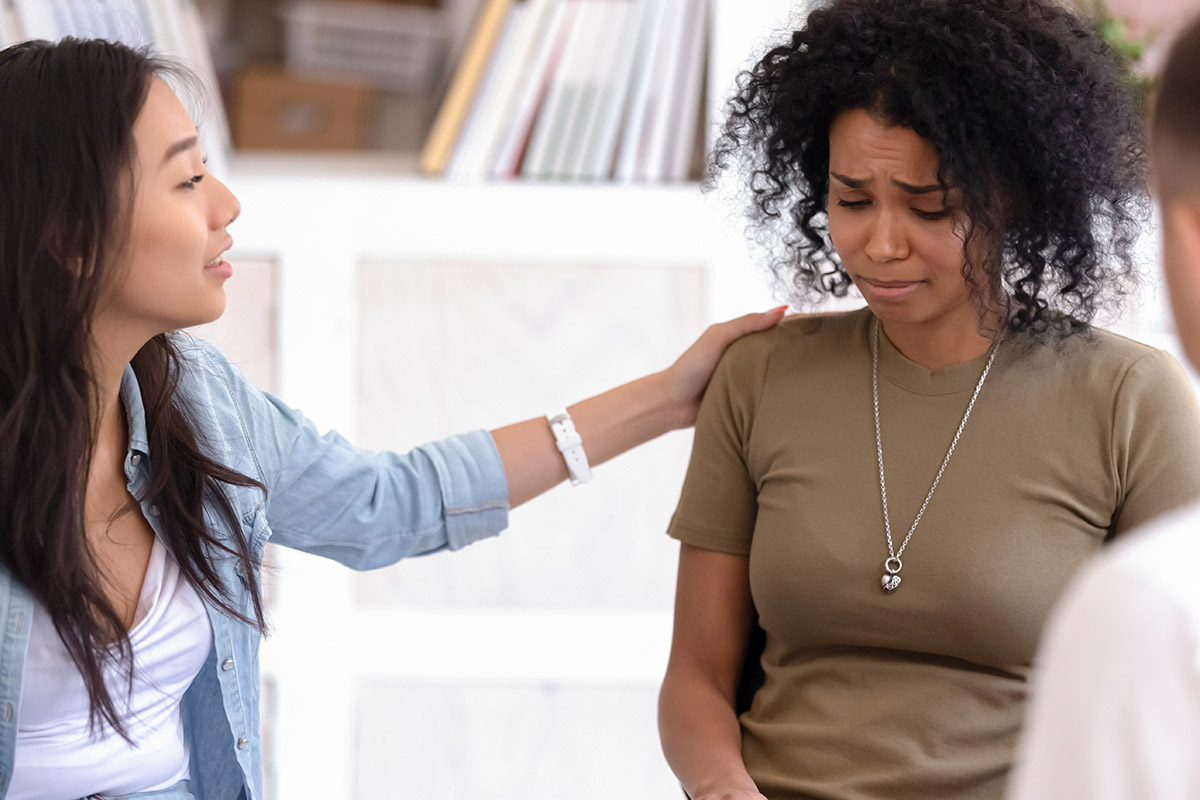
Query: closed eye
(853, 203)
(932, 216)
(191, 182)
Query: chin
(205, 316)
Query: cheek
(944, 250)
(842, 231)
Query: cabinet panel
(447, 346)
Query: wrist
(570, 446)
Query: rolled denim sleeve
(474, 487)
(361, 508)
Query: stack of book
(575, 90)
(173, 28)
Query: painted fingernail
(779, 310)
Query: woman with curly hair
(895, 496)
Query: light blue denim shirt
(323, 496)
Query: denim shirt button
(227, 664)
(243, 743)
(135, 459)
(154, 511)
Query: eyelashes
(929, 216)
(191, 182)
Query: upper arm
(1156, 429)
(714, 614)
(718, 503)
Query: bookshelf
(532, 89)
(575, 90)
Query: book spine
(686, 118)
(467, 162)
(595, 73)
(555, 119)
(463, 89)
(539, 21)
(512, 151)
(649, 54)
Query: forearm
(702, 739)
(621, 418)
(609, 424)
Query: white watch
(570, 444)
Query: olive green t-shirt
(919, 694)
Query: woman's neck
(938, 345)
(108, 370)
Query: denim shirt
(323, 496)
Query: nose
(887, 240)
(225, 205)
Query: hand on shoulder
(684, 381)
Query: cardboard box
(274, 110)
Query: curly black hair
(1023, 103)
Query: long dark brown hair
(66, 173)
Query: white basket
(387, 46)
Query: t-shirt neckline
(913, 377)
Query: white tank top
(56, 757)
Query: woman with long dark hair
(895, 496)
(141, 474)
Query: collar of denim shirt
(135, 412)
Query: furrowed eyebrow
(858, 183)
(853, 183)
(933, 187)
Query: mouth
(219, 259)
(888, 290)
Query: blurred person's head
(1175, 144)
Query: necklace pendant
(891, 579)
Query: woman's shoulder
(202, 365)
(806, 333)
(215, 387)
(1109, 376)
(1119, 347)
(1138, 362)
(1095, 351)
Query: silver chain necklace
(892, 565)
